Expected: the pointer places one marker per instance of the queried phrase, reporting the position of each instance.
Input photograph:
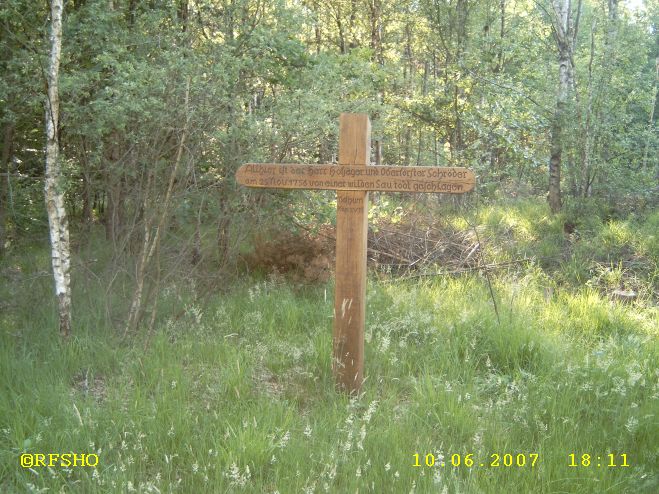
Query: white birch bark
(651, 123)
(565, 34)
(57, 220)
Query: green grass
(236, 395)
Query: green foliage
(441, 82)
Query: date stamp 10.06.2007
(471, 460)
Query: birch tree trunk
(565, 35)
(586, 145)
(4, 183)
(57, 221)
(651, 123)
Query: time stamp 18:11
(518, 460)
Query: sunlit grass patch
(225, 399)
(526, 220)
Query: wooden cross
(352, 179)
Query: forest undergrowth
(547, 383)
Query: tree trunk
(114, 211)
(502, 33)
(612, 33)
(57, 220)
(651, 122)
(375, 11)
(114, 188)
(555, 202)
(182, 14)
(132, 8)
(7, 143)
(352, 43)
(87, 186)
(339, 25)
(586, 145)
(317, 33)
(86, 199)
(564, 34)
(377, 144)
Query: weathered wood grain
(351, 241)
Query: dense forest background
(458, 83)
(162, 101)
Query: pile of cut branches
(417, 241)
